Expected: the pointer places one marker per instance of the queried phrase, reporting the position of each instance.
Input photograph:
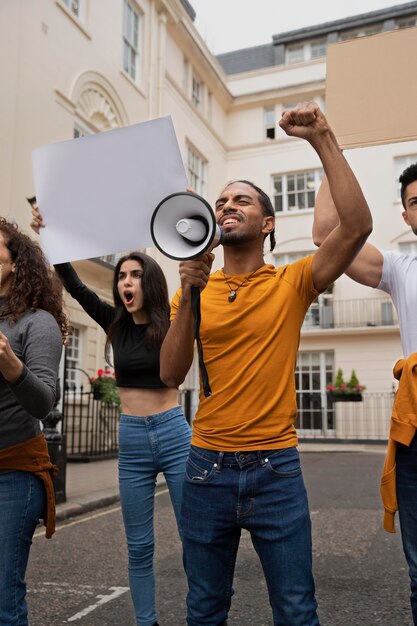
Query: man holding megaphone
(244, 470)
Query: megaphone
(183, 226)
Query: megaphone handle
(195, 305)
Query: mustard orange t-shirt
(250, 350)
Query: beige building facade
(75, 67)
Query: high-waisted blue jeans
(264, 493)
(148, 445)
(22, 501)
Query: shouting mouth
(230, 220)
(128, 297)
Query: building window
(296, 191)
(131, 24)
(318, 49)
(314, 371)
(295, 54)
(269, 121)
(407, 22)
(76, 7)
(185, 75)
(307, 51)
(73, 358)
(400, 164)
(196, 166)
(209, 106)
(80, 129)
(362, 32)
(196, 93)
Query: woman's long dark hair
(155, 301)
(34, 284)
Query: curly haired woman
(32, 329)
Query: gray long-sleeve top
(36, 340)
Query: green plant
(339, 387)
(104, 386)
(354, 381)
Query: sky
(233, 24)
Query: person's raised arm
(343, 243)
(177, 351)
(325, 213)
(368, 263)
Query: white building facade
(76, 67)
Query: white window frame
(73, 357)
(291, 190)
(197, 170)
(196, 92)
(295, 53)
(81, 129)
(324, 361)
(374, 29)
(269, 123)
(209, 112)
(185, 75)
(318, 49)
(407, 22)
(307, 51)
(132, 29)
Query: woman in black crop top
(154, 435)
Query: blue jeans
(22, 501)
(148, 445)
(406, 476)
(264, 493)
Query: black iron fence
(91, 426)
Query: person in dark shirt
(154, 435)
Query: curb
(67, 510)
(92, 502)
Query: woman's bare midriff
(147, 401)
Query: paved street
(80, 576)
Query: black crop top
(134, 364)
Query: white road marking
(62, 588)
(117, 591)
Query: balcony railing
(326, 312)
(320, 418)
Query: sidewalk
(93, 485)
(89, 486)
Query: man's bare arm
(367, 266)
(343, 243)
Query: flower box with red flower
(103, 387)
(340, 391)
